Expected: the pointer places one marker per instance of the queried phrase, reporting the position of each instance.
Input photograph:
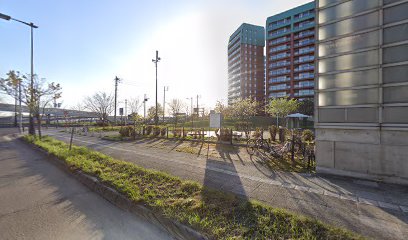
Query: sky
(84, 44)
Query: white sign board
(215, 120)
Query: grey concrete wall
(373, 154)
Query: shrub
(224, 135)
(156, 131)
(273, 130)
(126, 131)
(163, 131)
(149, 130)
(177, 132)
(257, 133)
(307, 135)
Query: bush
(156, 131)
(283, 134)
(163, 131)
(224, 135)
(177, 132)
(257, 133)
(307, 136)
(126, 131)
(149, 130)
(273, 130)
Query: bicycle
(257, 144)
(278, 152)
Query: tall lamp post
(144, 107)
(155, 61)
(165, 89)
(32, 26)
(191, 111)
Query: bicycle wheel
(251, 146)
(265, 146)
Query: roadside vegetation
(216, 214)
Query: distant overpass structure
(7, 113)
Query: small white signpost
(215, 120)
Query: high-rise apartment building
(290, 53)
(246, 63)
(362, 89)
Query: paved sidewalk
(373, 209)
(40, 201)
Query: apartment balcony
(302, 35)
(278, 49)
(275, 65)
(305, 43)
(278, 41)
(278, 89)
(276, 57)
(305, 60)
(277, 73)
(298, 86)
(304, 69)
(304, 51)
(310, 76)
(305, 25)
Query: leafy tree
(244, 109)
(175, 107)
(151, 112)
(13, 80)
(306, 107)
(281, 107)
(223, 109)
(36, 97)
(101, 103)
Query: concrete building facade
(246, 63)
(290, 53)
(362, 88)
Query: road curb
(174, 228)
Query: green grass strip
(217, 214)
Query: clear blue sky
(84, 44)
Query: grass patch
(117, 137)
(216, 214)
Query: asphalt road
(39, 201)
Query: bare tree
(78, 107)
(101, 103)
(134, 105)
(175, 107)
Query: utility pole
(117, 80)
(144, 107)
(19, 107)
(155, 61)
(15, 107)
(126, 111)
(198, 110)
(191, 113)
(166, 88)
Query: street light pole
(31, 129)
(155, 61)
(166, 88)
(191, 112)
(117, 80)
(144, 107)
